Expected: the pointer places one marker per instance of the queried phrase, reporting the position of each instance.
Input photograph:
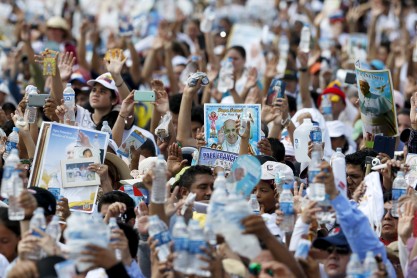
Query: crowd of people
(110, 55)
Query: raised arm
(161, 105)
(304, 80)
(81, 46)
(125, 115)
(114, 66)
(135, 68)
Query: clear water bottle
(305, 39)
(180, 238)
(217, 203)
(106, 128)
(69, 102)
(301, 139)
(226, 81)
(284, 47)
(286, 205)
(338, 164)
(354, 267)
(317, 189)
(192, 67)
(16, 212)
(370, 266)
(196, 243)
(243, 122)
(37, 221)
(8, 170)
(113, 226)
(159, 191)
(12, 142)
(326, 108)
(159, 231)
(316, 135)
(399, 188)
(254, 204)
(54, 186)
(209, 16)
(31, 111)
(54, 228)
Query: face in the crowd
(338, 105)
(389, 223)
(404, 122)
(81, 99)
(194, 127)
(238, 60)
(8, 243)
(338, 142)
(382, 53)
(202, 187)
(354, 176)
(336, 262)
(265, 195)
(230, 131)
(55, 34)
(2, 97)
(101, 97)
(192, 30)
(177, 71)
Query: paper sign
(213, 158)
(246, 173)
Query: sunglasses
(389, 210)
(340, 250)
(256, 268)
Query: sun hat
(120, 165)
(58, 23)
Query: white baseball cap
(107, 81)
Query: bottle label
(315, 136)
(397, 193)
(195, 246)
(287, 207)
(10, 146)
(163, 238)
(312, 174)
(56, 192)
(180, 244)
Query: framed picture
(75, 173)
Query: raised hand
(115, 63)
(49, 109)
(405, 221)
(99, 256)
(115, 210)
(298, 197)
(60, 112)
(200, 137)
(162, 102)
(127, 105)
(65, 64)
(252, 78)
(142, 220)
(16, 117)
(308, 214)
(271, 67)
(255, 224)
(264, 146)
(175, 161)
(28, 202)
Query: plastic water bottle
(69, 102)
(254, 204)
(317, 189)
(209, 16)
(217, 203)
(159, 231)
(31, 111)
(196, 242)
(54, 229)
(106, 128)
(54, 186)
(236, 209)
(180, 237)
(243, 122)
(284, 47)
(37, 221)
(354, 267)
(8, 170)
(159, 191)
(338, 164)
(326, 108)
(305, 39)
(12, 142)
(286, 205)
(113, 226)
(370, 266)
(399, 188)
(192, 67)
(317, 138)
(226, 76)
(301, 139)
(16, 212)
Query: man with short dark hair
(197, 179)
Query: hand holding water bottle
(19, 120)
(99, 256)
(308, 214)
(28, 202)
(115, 210)
(119, 242)
(255, 224)
(27, 245)
(243, 130)
(326, 177)
(62, 208)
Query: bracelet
(122, 116)
(118, 86)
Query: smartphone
(144, 96)
(37, 100)
(384, 144)
(200, 207)
(350, 78)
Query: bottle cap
(105, 123)
(307, 120)
(16, 129)
(400, 173)
(287, 186)
(339, 150)
(69, 85)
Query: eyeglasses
(340, 250)
(389, 210)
